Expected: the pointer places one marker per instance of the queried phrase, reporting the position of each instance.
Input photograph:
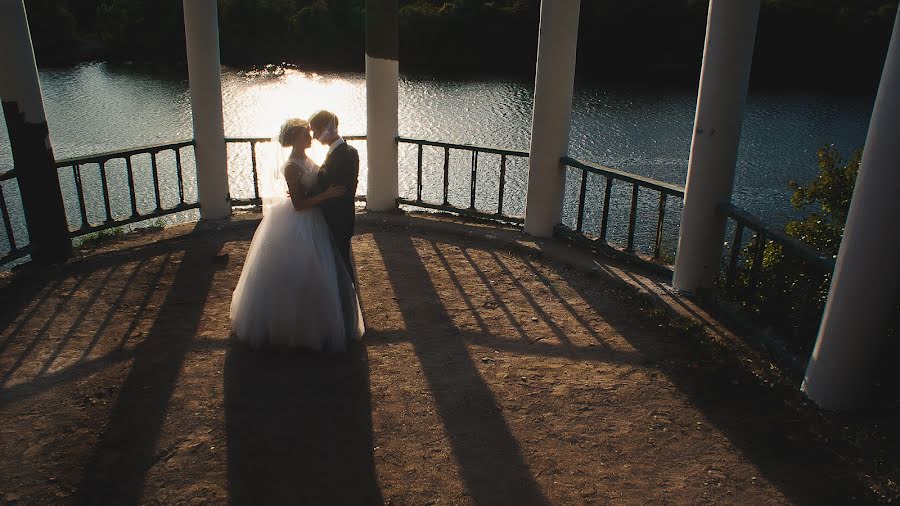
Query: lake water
(100, 107)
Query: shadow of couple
(299, 427)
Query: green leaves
(788, 291)
(829, 195)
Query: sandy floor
(491, 374)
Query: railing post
(29, 137)
(253, 170)
(104, 186)
(553, 83)
(382, 78)
(722, 93)
(733, 256)
(660, 223)
(201, 27)
(502, 185)
(632, 218)
(79, 192)
(863, 295)
(419, 172)
(7, 226)
(446, 176)
(131, 190)
(604, 217)
(473, 181)
(582, 196)
(178, 173)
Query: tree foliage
(829, 195)
(838, 44)
(787, 290)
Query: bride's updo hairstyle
(290, 129)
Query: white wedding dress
(294, 290)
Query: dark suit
(341, 168)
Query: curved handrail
(671, 189)
(469, 147)
(825, 263)
(269, 139)
(109, 155)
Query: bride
(294, 290)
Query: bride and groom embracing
(297, 285)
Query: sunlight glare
(263, 107)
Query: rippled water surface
(100, 107)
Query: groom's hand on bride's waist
(332, 191)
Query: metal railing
(762, 234)
(775, 276)
(473, 189)
(467, 189)
(615, 176)
(101, 160)
(254, 199)
(16, 251)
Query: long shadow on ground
(299, 427)
(116, 471)
(489, 457)
(773, 434)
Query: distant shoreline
(835, 47)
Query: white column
(553, 82)
(863, 295)
(382, 78)
(29, 136)
(19, 81)
(201, 27)
(722, 93)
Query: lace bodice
(308, 170)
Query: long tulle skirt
(294, 290)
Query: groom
(341, 168)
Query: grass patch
(97, 238)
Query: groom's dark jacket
(341, 168)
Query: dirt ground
(494, 371)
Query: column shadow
(489, 457)
(18, 293)
(299, 427)
(777, 438)
(116, 471)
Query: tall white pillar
(553, 83)
(201, 28)
(29, 136)
(724, 77)
(382, 78)
(866, 283)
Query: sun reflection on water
(257, 104)
(100, 107)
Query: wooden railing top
(270, 139)
(470, 147)
(794, 245)
(109, 155)
(248, 139)
(668, 188)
